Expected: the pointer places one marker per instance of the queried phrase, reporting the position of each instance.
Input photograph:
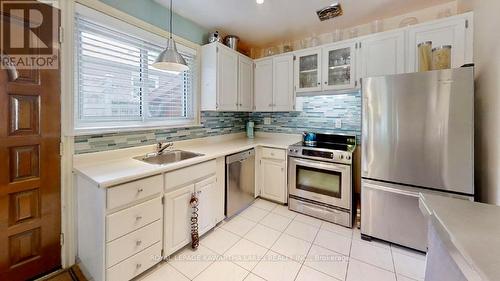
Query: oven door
(319, 181)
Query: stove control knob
(296, 151)
(348, 157)
(341, 156)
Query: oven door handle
(321, 165)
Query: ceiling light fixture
(259, 1)
(170, 59)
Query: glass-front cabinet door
(338, 67)
(308, 70)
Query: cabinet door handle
(138, 243)
(137, 266)
(139, 190)
(138, 218)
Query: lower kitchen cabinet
(119, 228)
(272, 174)
(207, 195)
(180, 185)
(177, 219)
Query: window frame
(116, 24)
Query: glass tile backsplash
(318, 114)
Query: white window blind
(116, 85)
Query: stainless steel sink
(168, 157)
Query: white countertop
(110, 168)
(471, 232)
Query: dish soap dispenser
(250, 126)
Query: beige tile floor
(269, 242)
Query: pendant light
(170, 59)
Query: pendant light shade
(170, 59)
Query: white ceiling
(277, 20)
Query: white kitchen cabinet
(274, 84)
(221, 78)
(245, 83)
(382, 54)
(271, 176)
(177, 219)
(263, 96)
(455, 31)
(338, 66)
(207, 195)
(283, 94)
(180, 185)
(308, 70)
(126, 224)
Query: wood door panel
(24, 162)
(24, 112)
(23, 206)
(24, 247)
(30, 207)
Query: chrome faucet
(161, 147)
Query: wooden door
(273, 180)
(283, 93)
(383, 54)
(227, 75)
(263, 85)
(245, 84)
(30, 208)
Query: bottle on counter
(250, 126)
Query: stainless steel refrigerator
(417, 136)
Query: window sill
(117, 130)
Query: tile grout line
(308, 251)
(393, 264)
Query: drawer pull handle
(138, 265)
(138, 218)
(138, 243)
(139, 190)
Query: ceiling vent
(330, 12)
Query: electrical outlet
(267, 120)
(338, 123)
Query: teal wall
(156, 14)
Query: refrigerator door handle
(392, 190)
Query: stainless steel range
(320, 177)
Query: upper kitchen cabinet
(274, 84)
(227, 79)
(382, 54)
(245, 83)
(263, 97)
(308, 70)
(455, 31)
(338, 66)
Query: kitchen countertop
(110, 168)
(470, 231)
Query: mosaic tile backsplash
(213, 124)
(319, 114)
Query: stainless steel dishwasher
(240, 181)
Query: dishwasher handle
(240, 156)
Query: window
(116, 86)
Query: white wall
(487, 105)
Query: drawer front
(273, 153)
(135, 265)
(133, 243)
(130, 219)
(188, 175)
(129, 192)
